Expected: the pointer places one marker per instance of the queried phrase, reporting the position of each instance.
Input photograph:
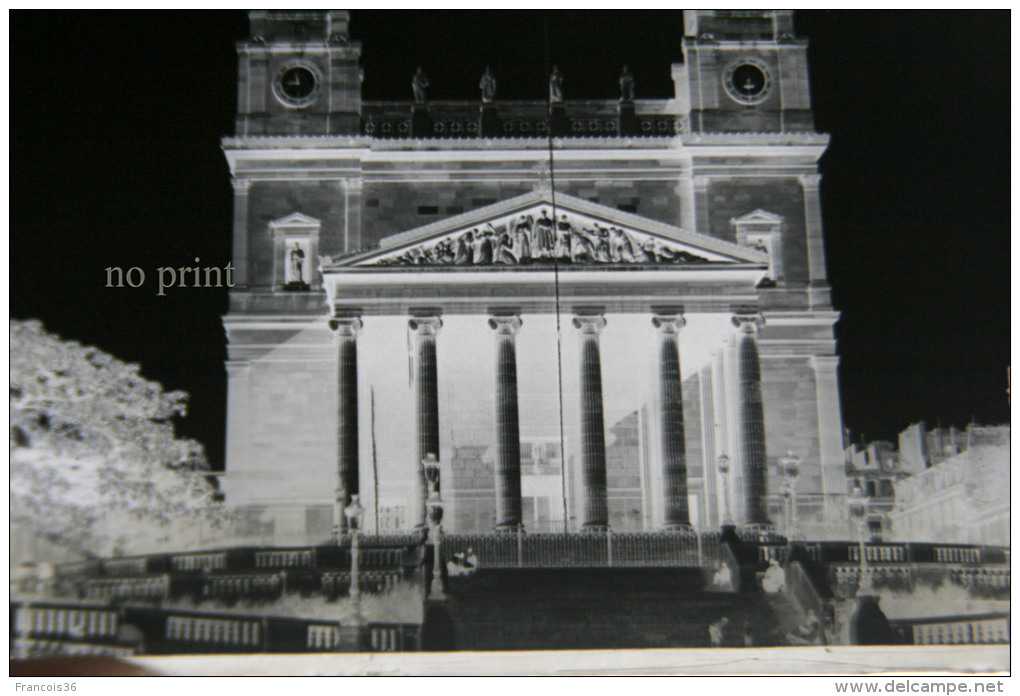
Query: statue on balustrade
(626, 85)
(419, 83)
(488, 86)
(556, 86)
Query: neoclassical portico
(680, 273)
(454, 249)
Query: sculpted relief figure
(544, 240)
(418, 85)
(524, 240)
(488, 86)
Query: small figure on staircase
(716, 632)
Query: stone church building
(591, 313)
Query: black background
(116, 118)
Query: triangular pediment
(759, 217)
(529, 230)
(295, 220)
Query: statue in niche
(544, 240)
(626, 85)
(488, 86)
(295, 264)
(556, 86)
(419, 83)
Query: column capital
(748, 323)
(669, 323)
(353, 184)
(810, 180)
(825, 363)
(505, 324)
(240, 185)
(345, 326)
(701, 181)
(425, 326)
(589, 324)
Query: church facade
(590, 313)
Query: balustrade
(323, 637)
(262, 585)
(386, 639)
(303, 558)
(200, 561)
(128, 588)
(126, 566)
(219, 631)
(978, 631)
(591, 549)
(76, 623)
(369, 581)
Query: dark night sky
(115, 161)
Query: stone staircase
(591, 608)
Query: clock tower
(743, 71)
(298, 75)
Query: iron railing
(581, 550)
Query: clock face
(296, 85)
(748, 81)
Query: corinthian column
(671, 424)
(508, 436)
(426, 406)
(345, 332)
(752, 421)
(593, 433)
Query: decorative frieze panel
(534, 237)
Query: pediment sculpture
(534, 238)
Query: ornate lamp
(354, 512)
(435, 518)
(791, 470)
(723, 465)
(858, 503)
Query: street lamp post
(791, 470)
(435, 509)
(354, 511)
(723, 464)
(858, 503)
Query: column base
(679, 528)
(758, 530)
(509, 528)
(436, 592)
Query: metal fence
(592, 549)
